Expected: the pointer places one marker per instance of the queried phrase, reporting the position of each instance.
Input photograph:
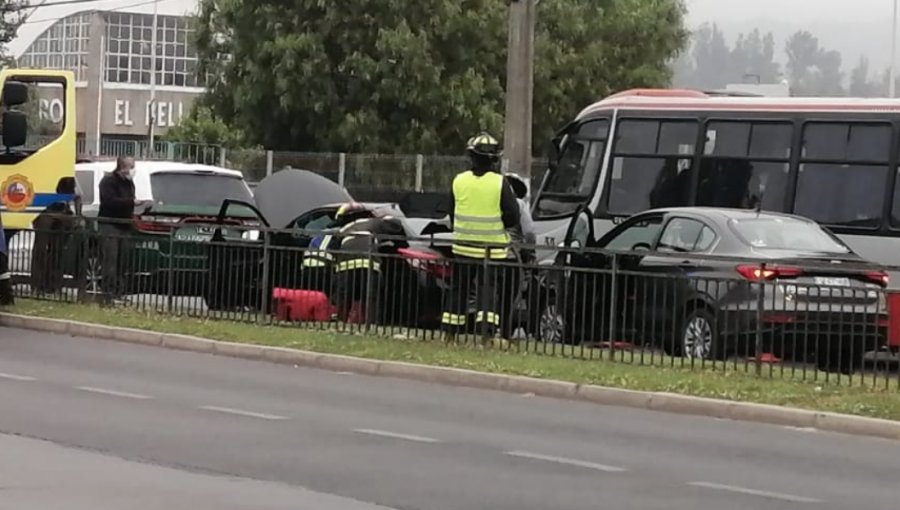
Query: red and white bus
(832, 160)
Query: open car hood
(287, 194)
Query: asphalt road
(209, 429)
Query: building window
(130, 50)
(62, 46)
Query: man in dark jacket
(359, 265)
(117, 203)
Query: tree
(754, 55)
(712, 58)
(860, 83)
(202, 126)
(802, 50)
(812, 70)
(12, 15)
(399, 76)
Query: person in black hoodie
(117, 204)
(52, 231)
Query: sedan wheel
(698, 337)
(93, 276)
(552, 325)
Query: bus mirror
(15, 129)
(552, 152)
(15, 93)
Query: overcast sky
(853, 27)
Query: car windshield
(775, 233)
(197, 189)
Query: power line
(122, 7)
(62, 2)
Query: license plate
(195, 238)
(832, 282)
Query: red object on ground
(894, 319)
(357, 314)
(301, 305)
(767, 357)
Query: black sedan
(245, 266)
(707, 283)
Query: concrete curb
(664, 402)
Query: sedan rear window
(197, 189)
(787, 234)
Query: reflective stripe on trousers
(348, 265)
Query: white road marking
(240, 412)
(753, 492)
(568, 462)
(345, 373)
(14, 377)
(113, 393)
(396, 435)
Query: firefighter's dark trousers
(473, 282)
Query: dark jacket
(509, 205)
(116, 198)
(370, 236)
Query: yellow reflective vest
(478, 217)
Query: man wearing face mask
(117, 203)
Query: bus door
(37, 149)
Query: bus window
(573, 181)
(843, 173)
(745, 165)
(651, 165)
(46, 115)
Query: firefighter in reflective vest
(484, 207)
(319, 257)
(359, 265)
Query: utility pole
(153, 56)
(519, 87)
(892, 82)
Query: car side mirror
(641, 247)
(15, 129)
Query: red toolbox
(297, 305)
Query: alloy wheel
(697, 339)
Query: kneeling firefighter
(318, 260)
(359, 268)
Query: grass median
(734, 383)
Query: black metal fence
(773, 319)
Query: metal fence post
(369, 301)
(760, 303)
(264, 291)
(613, 306)
(170, 277)
(342, 168)
(270, 158)
(420, 163)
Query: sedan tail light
(156, 224)
(756, 273)
(878, 277)
(429, 262)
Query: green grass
(731, 383)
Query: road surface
(198, 430)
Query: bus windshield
(572, 182)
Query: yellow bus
(38, 146)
